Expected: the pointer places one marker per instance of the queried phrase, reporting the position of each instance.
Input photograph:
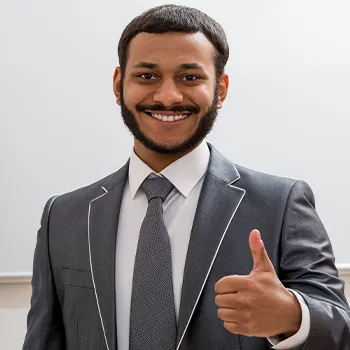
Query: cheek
(201, 96)
(134, 94)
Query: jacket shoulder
(87, 193)
(264, 184)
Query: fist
(258, 304)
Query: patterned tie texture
(152, 315)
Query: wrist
(293, 316)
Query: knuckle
(242, 303)
(246, 330)
(230, 326)
(252, 284)
(250, 328)
(247, 316)
(250, 301)
(219, 312)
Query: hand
(258, 304)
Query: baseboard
(15, 278)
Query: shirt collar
(184, 173)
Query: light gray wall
(287, 111)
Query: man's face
(169, 90)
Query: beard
(205, 125)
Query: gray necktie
(152, 314)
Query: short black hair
(176, 18)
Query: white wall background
(287, 111)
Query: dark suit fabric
(67, 298)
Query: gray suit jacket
(73, 302)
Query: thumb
(261, 260)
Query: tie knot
(157, 187)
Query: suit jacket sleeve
(307, 266)
(44, 323)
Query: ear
(223, 87)
(117, 84)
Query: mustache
(160, 107)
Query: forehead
(171, 49)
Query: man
(180, 248)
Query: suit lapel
(102, 232)
(217, 205)
(216, 208)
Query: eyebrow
(191, 66)
(150, 65)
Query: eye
(147, 76)
(190, 77)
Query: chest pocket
(76, 278)
(78, 294)
(80, 310)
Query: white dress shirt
(187, 175)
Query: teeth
(168, 118)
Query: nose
(168, 93)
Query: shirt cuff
(298, 339)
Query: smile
(168, 117)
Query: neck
(157, 161)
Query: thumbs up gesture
(258, 304)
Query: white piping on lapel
(91, 269)
(212, 262)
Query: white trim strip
(92, 271)
(211, 265)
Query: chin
(166, 147)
